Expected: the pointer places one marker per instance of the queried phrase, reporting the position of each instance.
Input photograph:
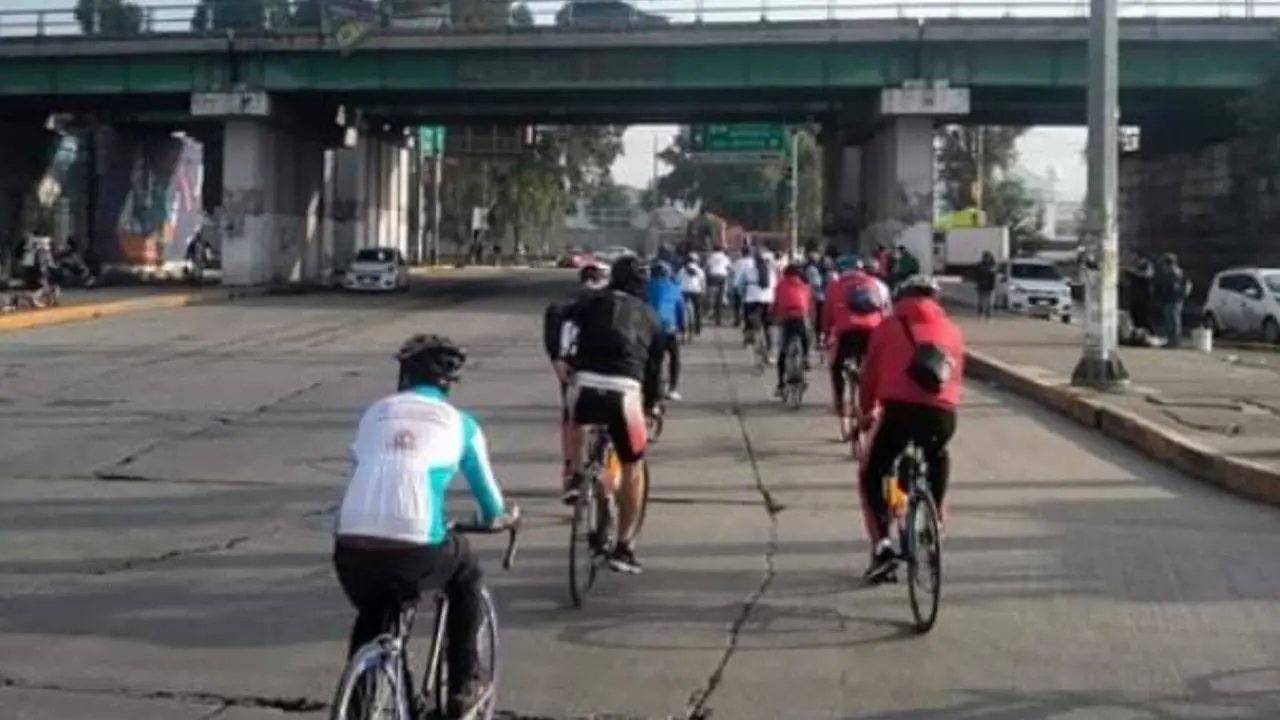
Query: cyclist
(816, 276)
(718, 264)
(855, 305)
(913, 374)
(611, 347)
(756, 285)
(792, 305)
(664, 295)
(591, 277)
(693, 283)
(392, 536)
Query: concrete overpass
(1175, 74)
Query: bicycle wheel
(370, 687)
(923, 540)
(583, 540)
(644, 501)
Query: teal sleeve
(478, 472)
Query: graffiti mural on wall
(149, 197)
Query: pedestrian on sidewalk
(985, 279)
(1138, 278)
(1170, 289)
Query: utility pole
(794, 201)
(1100, 366)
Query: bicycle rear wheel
(370, 687)
(583, 543)
(923, 540)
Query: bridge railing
(133, 18)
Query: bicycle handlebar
(512, 529)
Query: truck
(959, 250)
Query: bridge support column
(272, 184)
(370, 189)
(898, 186)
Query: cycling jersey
(407, 450)
(884, 375)
(749, 281)
(692, 280)
(663, 294)
(607, 339)
(791, 299)
(839, 316)
(718, 264)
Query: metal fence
(116, 18)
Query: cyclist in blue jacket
(667, 300)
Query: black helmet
(430, 360)
(629, 274)
(795, 270)
(593, 275)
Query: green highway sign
(431, 140)
(750, 137)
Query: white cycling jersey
(718, 264)
(692, 280)
(408, 448)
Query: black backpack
(930, 365)
(764, 278)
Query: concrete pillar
(898, 176)
(270, 201)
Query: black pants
(818, 328)
(791, 327)
(755, 318)
(380, 581)
(693, 304)
(715, 297)
(851, 344)
(931, 428)
(735, 298)
(671, 351)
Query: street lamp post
(794, 199)
(1100, 366)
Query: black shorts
(852, 344)
(621, 413)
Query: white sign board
(927, 100)
(479, 219)
(253, 103)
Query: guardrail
(131, 18)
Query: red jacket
(835, 307)
(884, 372)
(792, 299)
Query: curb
(94, 311)
(1243, 477)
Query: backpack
(763, 276)
(861, 300)
(930, 367)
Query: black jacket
(618, 335)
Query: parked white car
(1245, 301)
(378, 270)
(1034, 287)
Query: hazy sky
(1040, 149)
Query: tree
(242, 14)
(1010, 204)
(962, 149)
(753, 196)
(109, 17)
(611, 204)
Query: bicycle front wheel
(583, 539)
(924, 560)
(487, 657)
(371, 687)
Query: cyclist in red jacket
(855, 305)
(913, 375)
(792, 306)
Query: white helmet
(918, 285)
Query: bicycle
(592, 531)
(795, 385)
(759, 346)
(382, 662)
(689, 332)
(853, 407)
(919, 538)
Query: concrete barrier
(24, 320)
(1163, 444)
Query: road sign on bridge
(743, 144)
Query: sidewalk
(1208, 415)
(78, 305)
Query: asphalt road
(169, 482)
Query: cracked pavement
(168, 479)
